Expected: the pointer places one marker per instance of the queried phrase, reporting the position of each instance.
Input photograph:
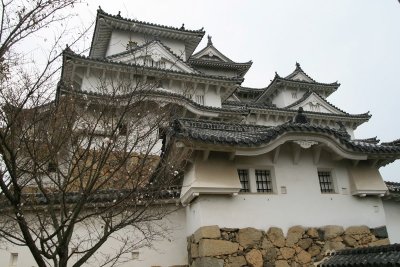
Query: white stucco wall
(392, 212)
(285, 98)
(119, 39)
(303, 204)
(168, 252)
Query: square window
(244, 180)
(263, 181)
(325, 182)
(122, 129)
(52, 166)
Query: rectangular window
(200, 99)
(325, 182)
(244, 180)
(263, 181)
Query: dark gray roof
(243, 135)
(70, 54)
(380, 256)
(241, 68)
(393, 187)
(102, 32)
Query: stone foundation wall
(212, 246)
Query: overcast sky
(354, 42)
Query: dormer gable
(311, 101)
(211, 53)
(299, 75)
(153, 54)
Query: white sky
(355, 42)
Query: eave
(105, 23)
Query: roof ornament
(300, 117)
(182, 27)
(343, 130)
(100, 8)
(298, 65)
(209, 40)
(119, 14)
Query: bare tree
(78, 170)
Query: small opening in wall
(13, 259)
(283, 190)
(135, 255)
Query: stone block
(207, 232)
(211, 247)
(249, 237)
(287, 253)
(314, 250)
(194, 250)
(266, 244)
(305, 243)
(332, 231)
(349, 241)
(357, 230)
(254, 258)
(313, 233)
(270, 254)
(208, 262)
(380, 242)
(303, 257)
(333, 245)
(294, 234)
(237, 261)
(282, 263)
(275, 235)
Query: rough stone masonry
(211, 246)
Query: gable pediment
(212, 54)
(153, 54)
(313, 102)
(301, 77)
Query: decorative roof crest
(209, 40)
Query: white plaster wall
(168, 252)
(303, 204)
(284, 97)
(212, 99)
(392, 212)
(220, 72)
(119, 39)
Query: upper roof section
(210, 59)
(106, 24)
(298, 79)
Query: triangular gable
(211, 53)
(313, 102)
(153, 54)
(299, 75)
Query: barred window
(200, 99)
(263, 181)
(244, 180)
(325, 182)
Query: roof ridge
(105, 60)
(119, 17)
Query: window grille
(263, 181)
(244, 180)
(122, 129)
(188, 96)
(294, 95)
(52, 166)
(325, 182)
(200, 99)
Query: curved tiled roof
(241, 67)
(102, 33)
(308, 93)
(380, 256)
(298, 70)
(243, 135)
(166, 93)
(394, 187)
(118, 17)
(70, 53)
(251, 106)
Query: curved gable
(313, 102)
